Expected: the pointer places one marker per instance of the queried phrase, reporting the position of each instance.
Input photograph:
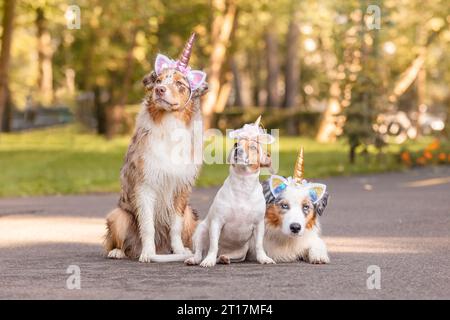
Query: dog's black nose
(295, 227)
(160, 90)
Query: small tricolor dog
(237, 212)
(153, 215)
(292, 224)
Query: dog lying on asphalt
(237, 212)
(153, 215)
(292, 224)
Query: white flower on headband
(252, 131)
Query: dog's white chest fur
(240, 216)
(174, 152)
(239, 208)
(169, 168)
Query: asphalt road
(399, 222)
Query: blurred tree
(257, 53)
(7, 31)
(292, 65)
(224, 12)
(363, 104)
(273, 68)
(45, 53)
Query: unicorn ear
(277, 184)
(316, 191)
(265, 138)
(196, 79)
(162, 62)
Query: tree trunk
(116, 113)
(292, 70)
(407, 77)
(222, 27)
(100, 111)
(7, 113)
(273, 69)
(242, 80)
(7, 26)
(237, 83)
(327, 127)
(246, 85)
(225, 91)
(255, 62)
(352, 154)
(45, 54)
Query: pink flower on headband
(195, 77)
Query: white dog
(237, 212)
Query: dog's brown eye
(305, 208)
(158, 81)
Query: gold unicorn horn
(257, 122)
(299, 173)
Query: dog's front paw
(223, 259)
(208, 262)
(192, 261)
(318, 256)
(264, 259)
(116, 254)
(146, 257)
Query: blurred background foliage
(329, 71)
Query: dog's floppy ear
(320, 206)
(268, 195)
(201, 90)
(149, 80)
(231, 154)
(265, 160)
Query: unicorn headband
(195, 77)
(278, 183)
(252, 131)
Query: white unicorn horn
(258, 121)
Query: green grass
(65, 161)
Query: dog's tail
(170, 257)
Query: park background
(362, 85)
